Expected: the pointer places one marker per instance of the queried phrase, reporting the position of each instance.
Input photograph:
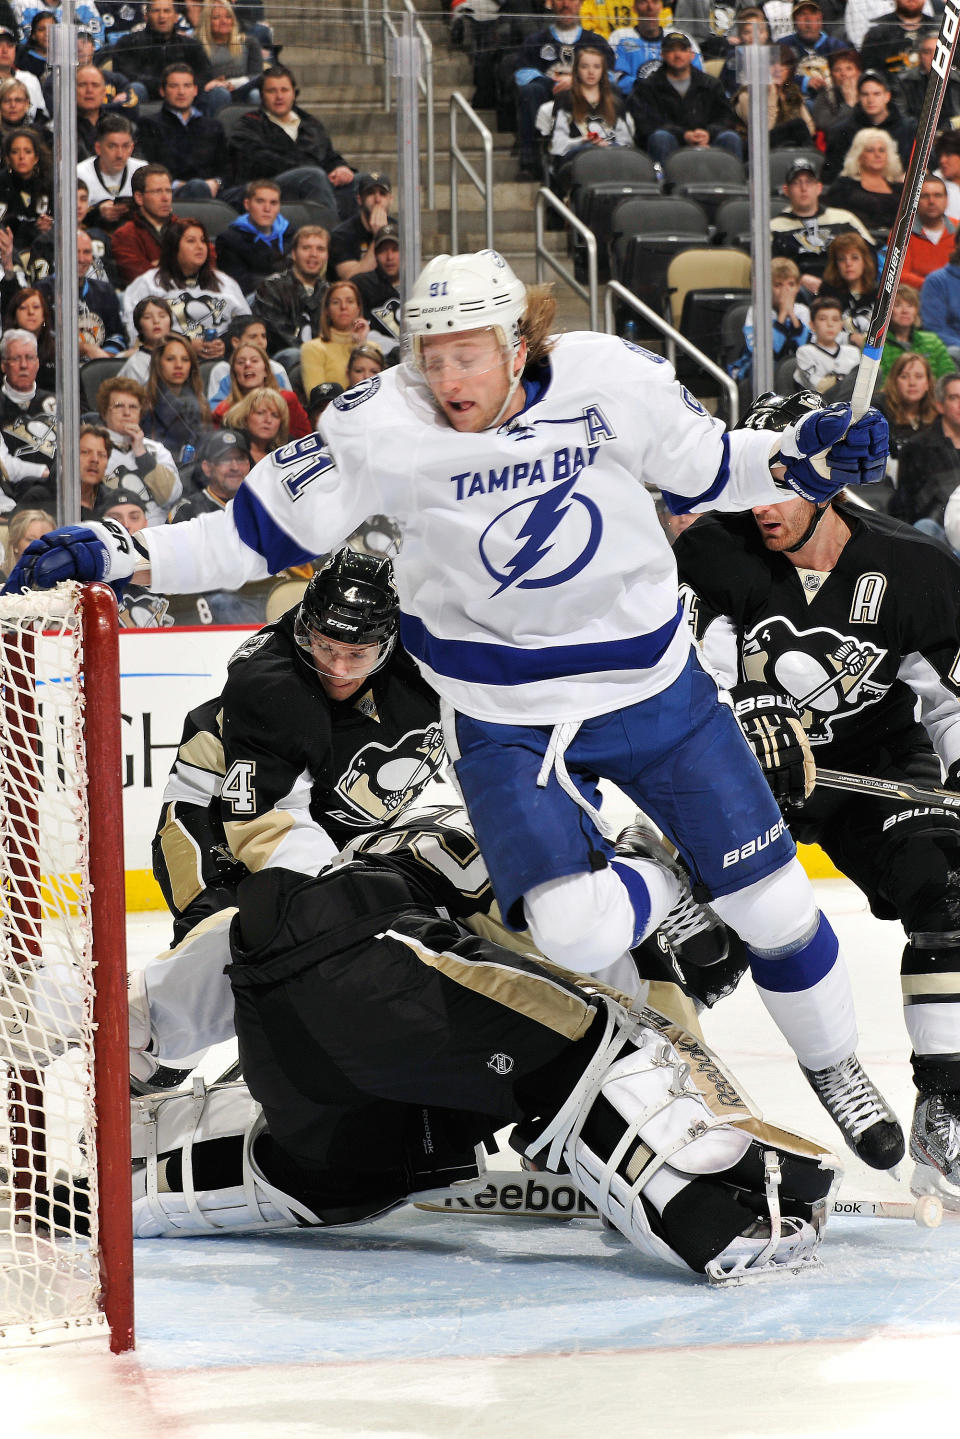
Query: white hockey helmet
(464, 292)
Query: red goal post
(66, 1250)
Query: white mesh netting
(49, 1278)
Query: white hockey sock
(806, 991)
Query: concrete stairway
(326, 55)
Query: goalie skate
(692, 930)
(935, 1148)
(858, 1109)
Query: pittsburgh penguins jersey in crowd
(856, 646)
(302, 773)
(535, 582)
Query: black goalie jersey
(864, 648)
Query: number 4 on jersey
(237, 787)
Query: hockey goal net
(65, 1227)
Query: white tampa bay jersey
(535, 581)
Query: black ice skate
(935, 1146)
(692, 930)
(859, 1111)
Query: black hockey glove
(952, 780)
(771, 724)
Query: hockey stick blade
(906, 213)
(888, 788)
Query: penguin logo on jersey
(34, 434)
(382, 780)
(538, 543)
(831, 676)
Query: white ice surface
(429, 1327)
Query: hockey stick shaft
(887, 788)
(906, 214)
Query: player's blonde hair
(537, 325)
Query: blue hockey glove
(824, 451)
(98, 551)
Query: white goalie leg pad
(42, 1012)
(642, 1076)
(775, 1245)
(165, 1123)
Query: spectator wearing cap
(136, 243)
(147, 53)
(255, 245)
(281, 142)
(678, 106)
(289, 303)
(379, 294)
(9, 71)
(190, 144)
(804, 231)
(875, 109)
(351, 243)
(134, 460)
(933, 237)
(812, 46)
(636, 48)
(109, 174)
(319, 398)
(544, 71)
(224, 463)
(84, 13)
(891, 43)
(912, 84)
(140, 608)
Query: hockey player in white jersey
(539, 596)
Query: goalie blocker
(383, 1042)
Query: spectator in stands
(940, 303)
(26, 186)
(176, 412)
(892, 42)
(904, 336)
(319, 398)
(791, 319)
(9, 71)
(929, 467)
(235, 57)
(35, 55)
(875, 110)
(787, 115)
(708, 23)
(378, 290)
(224, 463)
(153, 322)
(22, 529)
(859, 15)
(91, 108)
(240, 330)
(109, 174)
(256, 245)
(812, 47)
(912, 84)
(836, 101)
(250, 370)
(29, 309)
(365, 361)
(828, 357)
(948, 169)
(871, 181)
(204, 300)
(146, 53)
(933, 237)
(636, 48)
(134, 459)
(119, 18)
(851, 278)
(679, 106)
(289, 303)
(351, 243)
(101, 328)
(907, 400)
(140, 608)
(93, 451)
(263, 417)
(590, 115)
(15, 109)
(544, 70)
(101, 266)
(136, 243)
(28, 418)
(342, 328)
(190, 144)
(803, 232)
(750, 27)
(85, 13)
(604, 17)
(282, 142)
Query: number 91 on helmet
(347, 620)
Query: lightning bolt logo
(546, 515)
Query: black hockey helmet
(771, 411)
(351, 600)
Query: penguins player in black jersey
(834, 628)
